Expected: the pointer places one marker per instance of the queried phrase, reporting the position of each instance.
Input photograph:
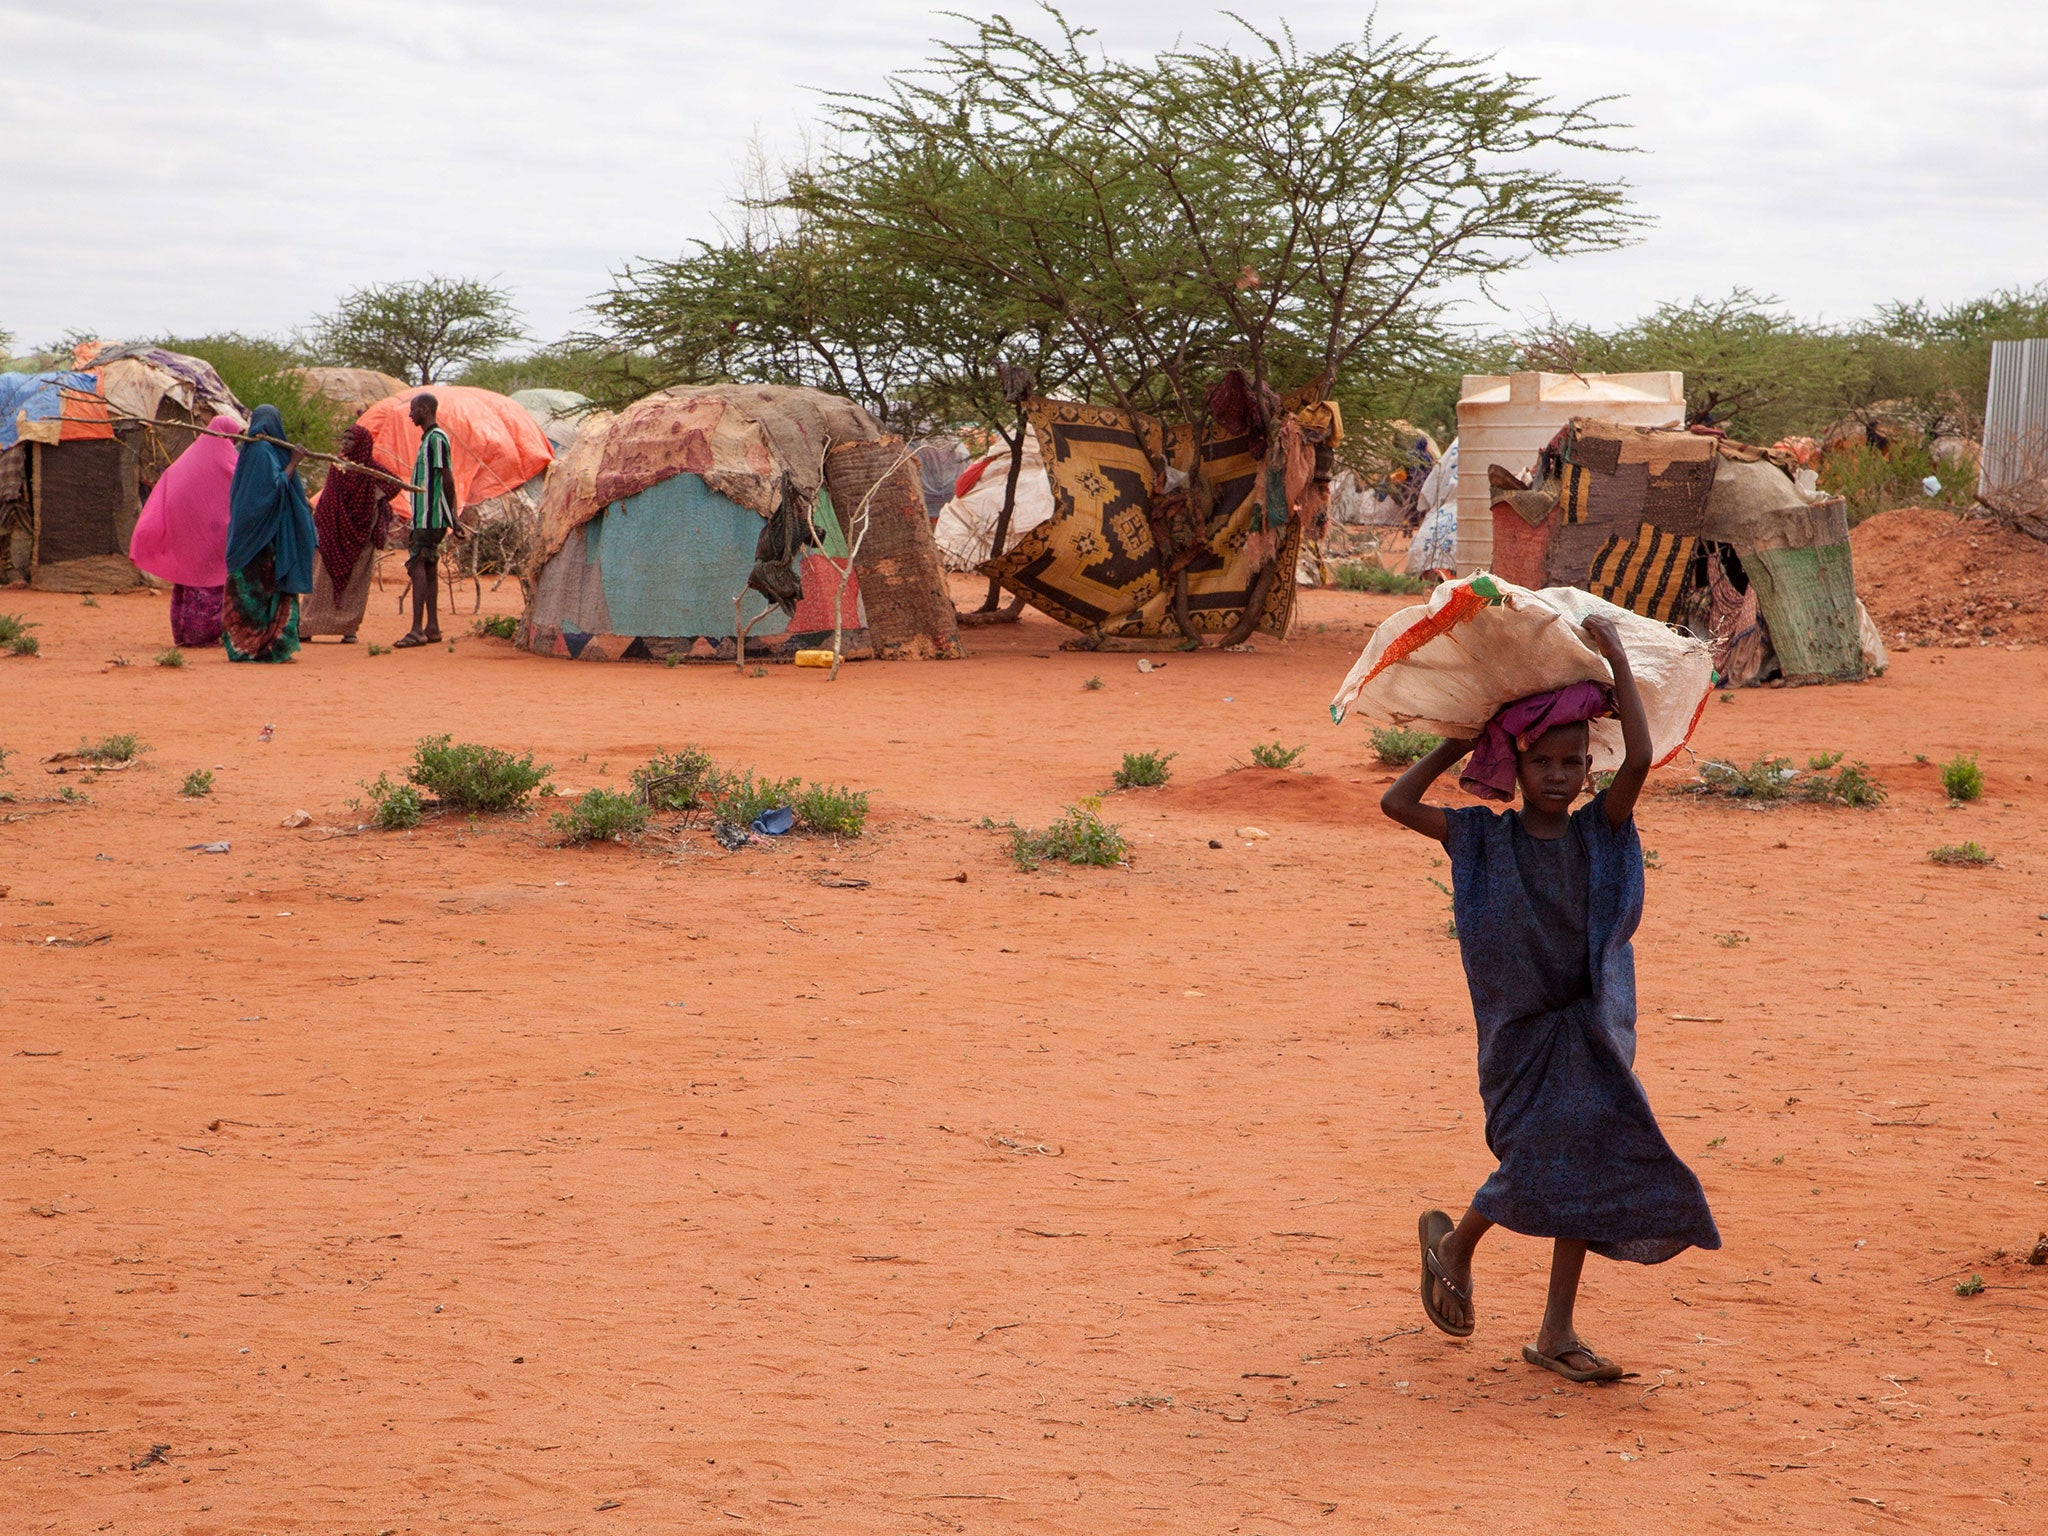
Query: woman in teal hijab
(270, 546)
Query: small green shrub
(674, 781)
(499, 626)
(601, 816)
(1731, 940)
(470, 777)
(1849, 785)
(198, 783)
(1144, 770)
(738, 797)
(170, 658)
(1092, 684)
(1081, 836)
(379, 650)
(12, 627)
(823, 808)
(1370, 576)
(1974, 1286)
(1962, 778)
(1764, 779)
(1397, 748)
(124, 748)
(394, 807)
(1966, 855)
(1273, 755)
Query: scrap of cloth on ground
(1490, 773)
(1544, 927)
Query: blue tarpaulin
(32, 405)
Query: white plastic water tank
(1509, 420)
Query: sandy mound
(1933, 578)
(1257, 796)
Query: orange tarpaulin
(494, 445)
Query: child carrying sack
(1480, 643)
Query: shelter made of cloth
(52, 407)
(494, 446)
(1110, 556)
(658, 518)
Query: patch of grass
(379, 650)
(394, 807)
(601, 816)
(88, 601)
(499, 626)
(824, 808)
(1963, 855)
(1822, 762)
(1144, 770)
(738, 796)
(1974, 1286)
(1849, 785)
(124, 748)
(15, 638)
(758, 672)
(1731, 940)
(170, 658)
(1092, 684)
(1273, 755)
(672, 659)
(470, 777)
(1397, 747)
(198, 784)
(1370, 576)
(1080, 836)
(1727, 698)
(1764, 779)
(1962, 778)
(674, 781)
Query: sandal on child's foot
(1594, 1368)
(1432, 1229)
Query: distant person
(433, 514)
(270, 546)
(349, 518)
(182, 535)
(1546, 900)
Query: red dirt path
(458, 1182)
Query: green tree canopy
(417, 331)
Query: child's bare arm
(1635, 725)
(1403, 799)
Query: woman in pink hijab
(182, 535)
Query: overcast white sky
(180, 168)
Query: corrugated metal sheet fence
(2015, 417)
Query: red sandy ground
(1930, 577)
(460, 1182)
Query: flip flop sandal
(1432, 1229)
(1601, 1370)
(409, 642)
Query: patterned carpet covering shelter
(656, 519)
(1657, 519)
(1108, 559)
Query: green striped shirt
(430, 507)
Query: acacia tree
(1294, 212)
(1748, 366)
(418, 331)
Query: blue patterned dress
(1544, 927)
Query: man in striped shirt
(433, 514)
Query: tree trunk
(1255, 604)
(1002, 533)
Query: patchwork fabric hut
(69, 495)
(1689, 528)
(1214, 550)
(656, 522)
(355, 390)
